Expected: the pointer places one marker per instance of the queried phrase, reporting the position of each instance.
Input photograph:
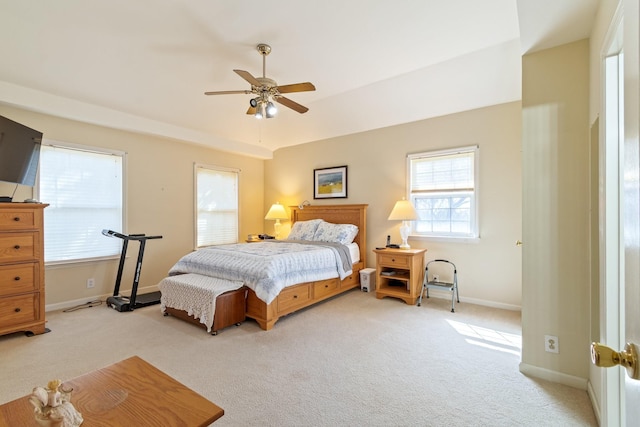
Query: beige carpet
(351, 361)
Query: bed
(266, 305)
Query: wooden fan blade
(291, 104)
(252, 111)
(296, 87)
(227, 92)
(248, 77)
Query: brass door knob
(606, 357)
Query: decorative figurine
(52, 406)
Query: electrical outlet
(551, 344)
(91, 283)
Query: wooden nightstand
(399, 273)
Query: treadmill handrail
(111, 233)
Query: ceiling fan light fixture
(254, 102)
(260, 110)
(271, 110)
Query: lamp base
(404, 234)
(276, 229)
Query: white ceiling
(143, 65)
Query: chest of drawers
(22, 268)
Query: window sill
(71, 262)
(446, 239)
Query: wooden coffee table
(128, 393)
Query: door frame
(611, 237)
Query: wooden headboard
(338, 214)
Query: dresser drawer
(16, 247)
(18, 220)
(19, 278)
(293, 297)
(394, 260)
(19, 309)
(325, 287)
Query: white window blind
(442, 187)
(216, 205)
(84, 190)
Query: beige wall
(556, 258)
(489, 270)
(160, 194)
(159, 201)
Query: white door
(620, 210)
(631, 199)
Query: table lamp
(405, 212)
(276, 212)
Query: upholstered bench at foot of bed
(208, 302)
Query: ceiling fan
(267, 90)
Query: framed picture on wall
(330, 183)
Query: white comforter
(266, 267)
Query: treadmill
(123, 303)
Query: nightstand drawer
(394, 260)
(18, 278)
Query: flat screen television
(19, 152)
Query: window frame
(474, 234)
(46, 142)
(236, 171)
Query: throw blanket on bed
(268, 267)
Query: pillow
(304, 230)
(336, 233)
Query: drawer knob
(16, 218)
(16, 247)
(17, 310)
(326, 286)
(393, 260)
(295, 296)
(16, 278)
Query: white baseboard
(447, 295)
(553, 376)
(74, 303)
(594, 402)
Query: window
(216, 205)
(84, 190)
(442, 187)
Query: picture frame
(330, 183)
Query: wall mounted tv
(19, 152)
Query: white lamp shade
(403, 211)
(276, 211)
